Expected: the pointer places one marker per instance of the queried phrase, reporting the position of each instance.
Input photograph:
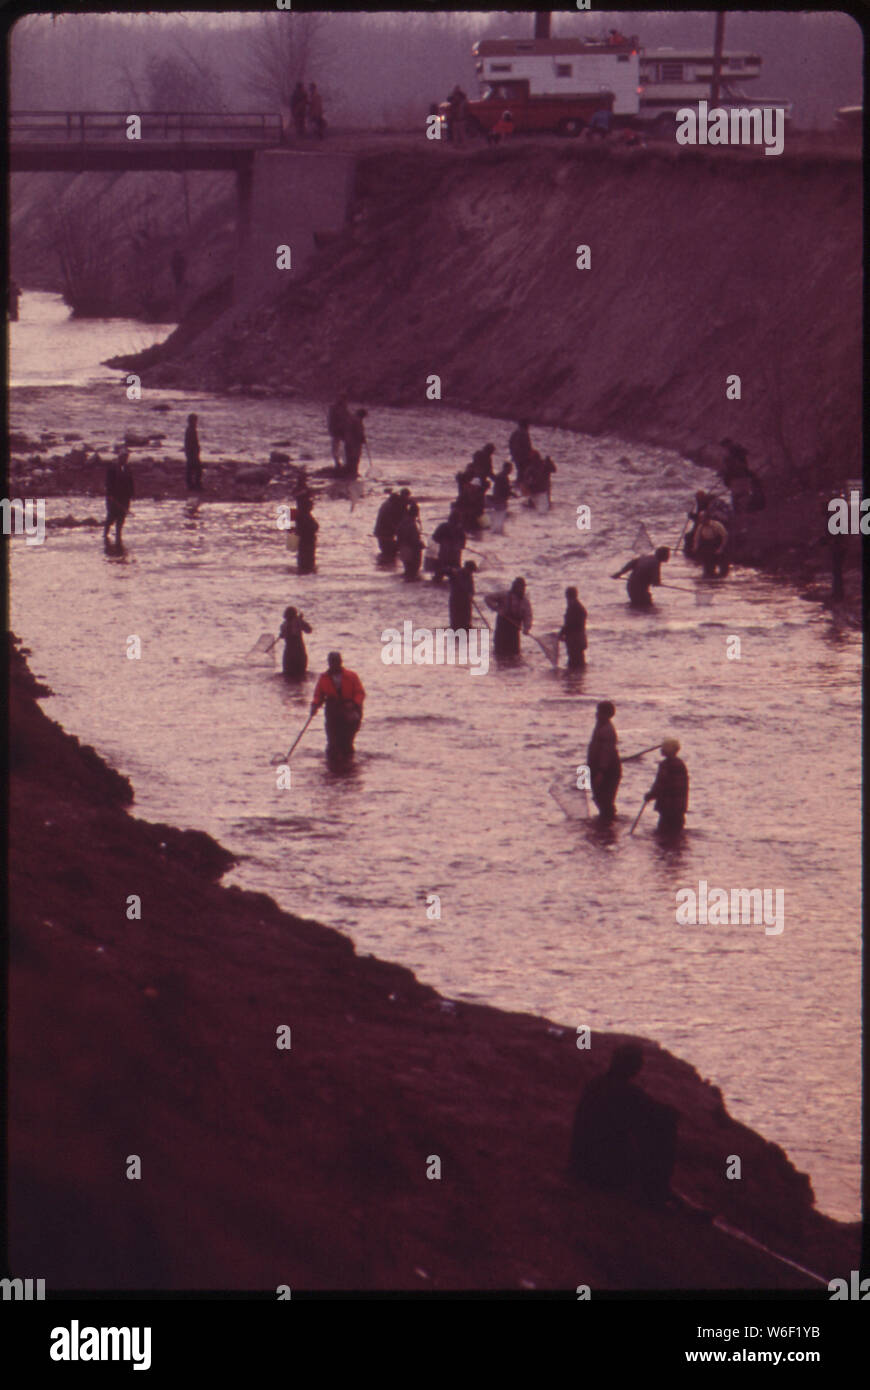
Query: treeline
(142, 245)
(377, 70)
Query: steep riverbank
(156, 1037)
(701, 268)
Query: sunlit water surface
(48, 347)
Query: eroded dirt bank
(156, 1037)
(702, 266)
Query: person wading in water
(343, 694)
(354, 439)
(337, 420)
(191, 454)
(573, 630)
(670, 790)
(306, 529)
(119, 494)
(514, 616)
(295, 661)
(710, 546)
(501, 492)
(605, 766)
(450, 539)
(643, 571)
(520, 446)
(461, 596)
(390, 515)
(410, 541)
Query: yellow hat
(670, 745)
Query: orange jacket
(351, 688)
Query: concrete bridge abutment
(286, 198)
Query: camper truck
(559, 84)
(552, 84)
(673, 80)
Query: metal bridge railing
(255, 127)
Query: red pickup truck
(566, 115)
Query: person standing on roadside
(298, 108)
(315, 111)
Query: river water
(48, 347)
(451, 789)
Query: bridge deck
(99, 140)
(139, 154)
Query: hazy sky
(387, 68)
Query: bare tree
(84, 240)
(177, 84)
(283, 49)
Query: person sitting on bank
(503, 127)
(623, 1140)
(599, 124)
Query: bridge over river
(286, 196)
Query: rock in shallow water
(253, 477)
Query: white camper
(676, 79)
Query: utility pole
(542, 24)
(718, 38)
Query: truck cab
(562, 115)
